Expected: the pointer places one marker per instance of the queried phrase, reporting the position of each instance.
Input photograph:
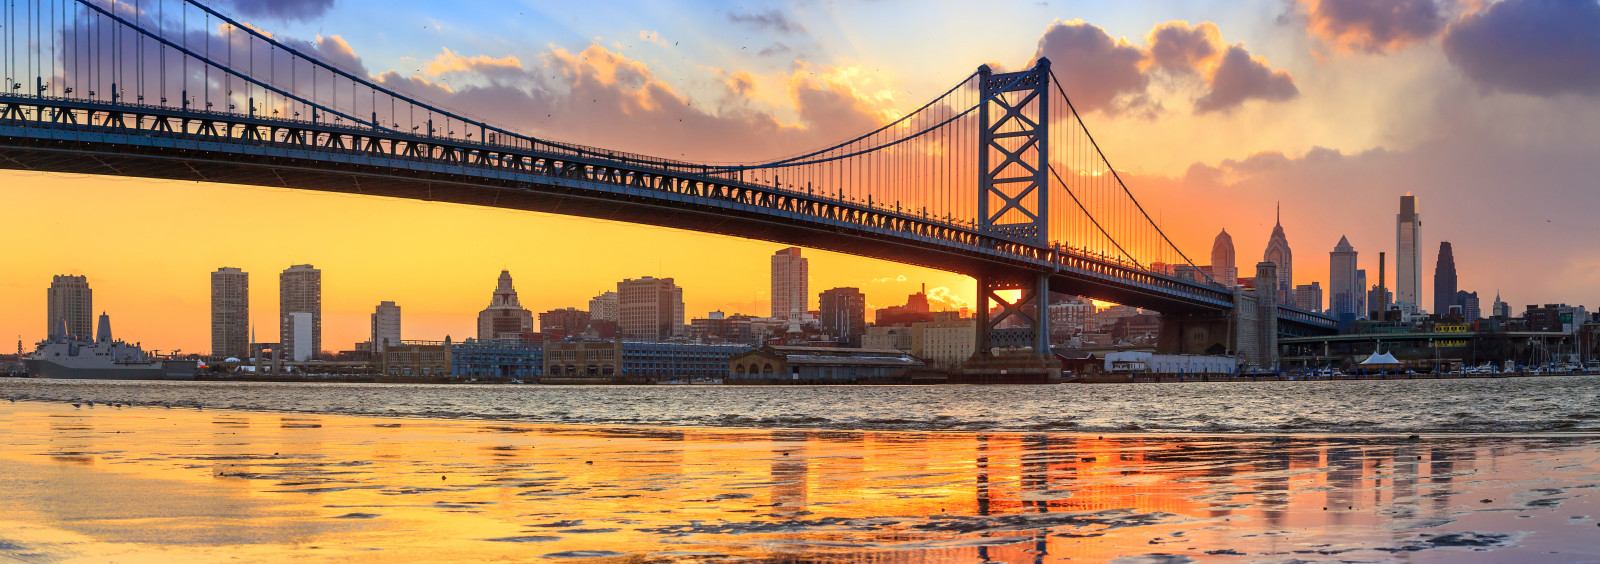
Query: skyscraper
(790, 294)
(300, 291)
(504, 318)
(71, 300)
(230, 313)
(649, 308)
(1499, 308)
(1444, 280)
(1343, 288)
(385, 326)
(1408, 264)
(1361, 292)
(1223, 268)
(1278, 254)
(844, 314)
(1309, 297)
(1471, 310)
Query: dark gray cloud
(1375, 26)
(770, 20)
(286, 10)
(1093, 68)
(1539, 47)
(1240, 78)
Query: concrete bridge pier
(1249, 331)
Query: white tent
(1380, 360)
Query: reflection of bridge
(997, 178)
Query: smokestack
(1383, 292)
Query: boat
(77, 357)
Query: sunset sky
(1214, 112)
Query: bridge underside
(565, 196)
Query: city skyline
(1418, 132)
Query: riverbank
(152, 483)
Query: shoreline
(152, 483)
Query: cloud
(942, 298)
(1094, 69)
(285, 10)
(1538, 47)
(1241, 77)
(1114, 76)
(777, 48)
(900, 278)
(1180, 48)
(1374, 26)
(770, 20)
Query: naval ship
(72, 356)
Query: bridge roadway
(73, 135)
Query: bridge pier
(1249, 332)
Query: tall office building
(385, 326)
(1361, 292)
(1444, 280)
(1278, 254)
(790, 293)
(504, 318)
(1499, 308)
(1223, 265)
(1309, 297)
(844, 314)
(1408, 264)
(300, 291)
(604, 307)
(1342, 284)
(70, 299)
(649, 308)
(230, 313)
(1471, 310)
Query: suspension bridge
(997, 178)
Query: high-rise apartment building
(649, 308)
(790, 291)
(1408, 263)
(604, 307)
(844, 314)
(1224, 268)
(1444, 280)
(230, 313)
(1278, 254)
(505, 317)
(70, 300)
(300, 291)
(385, 326)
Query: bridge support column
(1206, 333)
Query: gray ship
(74, 356)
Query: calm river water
(1516, 405)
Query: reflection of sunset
(253, 483)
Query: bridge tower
(1013, 205)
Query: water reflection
(452, 488)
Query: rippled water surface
(1557, 403)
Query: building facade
(1471, 309)
(1224, 268)
(497, 360)
(791, 296)
(1444, 280)
(843, 313)
(426, 360)
(572, 321)
(505, 318)
(1344, 285)
(385, 326)
(1278, 254)
(944, 343)
(650, 309)
(230, 313)
(1361, 293)
(1408, 262)
(71, 301)
(809, 365)
(300, 291)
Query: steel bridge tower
(1013, 203)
